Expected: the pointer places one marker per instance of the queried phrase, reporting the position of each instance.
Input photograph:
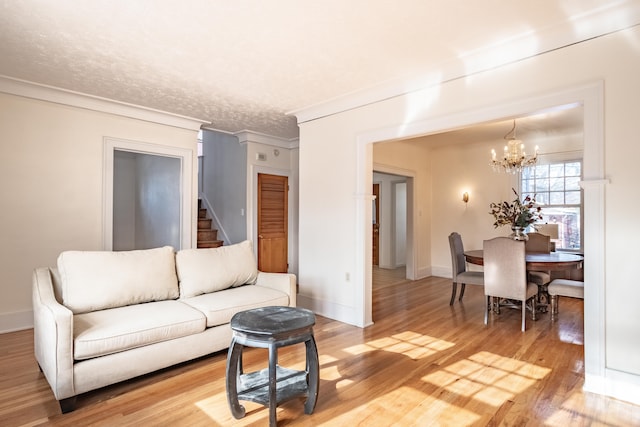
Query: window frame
(557, 158)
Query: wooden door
(272, 223)
(376, 225)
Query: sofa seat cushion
(118, 329)
(97, 280)
(219, 307)
(201, 271)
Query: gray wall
(224, 183)
(146, 208)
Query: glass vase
(518, 233)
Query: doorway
(147, 196)
(591, 97)
(375, 244)
(146, 201)
(390, 216)
(273, 223)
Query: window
(557, 190)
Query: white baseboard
(16, 321)
(441, 272)
(616, 384)
(341, 313)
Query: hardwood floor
(422, 363)
(382, 277)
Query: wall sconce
(465, 197)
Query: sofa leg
(68, 405)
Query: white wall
(343, 197)
(51, 187)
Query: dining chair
(538, 243)
(505, 278)
(459, 268)
(565, 288)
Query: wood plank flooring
(423, 363)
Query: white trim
(188, 233)
(599, 21)
(246, 136)
(592, 97)
(594, 278)
(559, 156)
(441, 272)
(16, 321)
(89, 102)
(619, 385)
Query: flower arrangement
(519, 213)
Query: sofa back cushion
(202, 271)
(96, 280)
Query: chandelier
(514, 158)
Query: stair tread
(207, 236)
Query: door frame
(411, 269)
(252, 208)
(188, 233)
(376, 203)
(598, 378)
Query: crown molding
(602, 20)
(57, 95)
(245, 136)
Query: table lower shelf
(254, 386)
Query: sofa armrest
(283, 282)
(53, 335)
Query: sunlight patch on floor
(325, 359)
(330, 373)
(411, 344)
(488, 377)
(570, 336)
(407, 406)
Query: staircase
(207, 237)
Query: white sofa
(104, 317)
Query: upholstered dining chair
(565, 288)
(459, 268)
(505, 278)
(538, 243)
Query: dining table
(554, 261)
(536, 261)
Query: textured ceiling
(243, 64)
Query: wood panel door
(273, 223)
(376, 225)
